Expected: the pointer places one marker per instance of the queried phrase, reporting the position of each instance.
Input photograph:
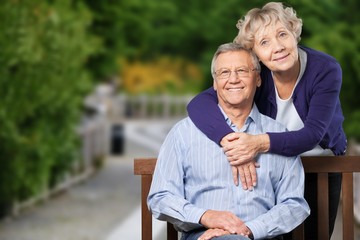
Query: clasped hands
(221, 223)
(241, 150)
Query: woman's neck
(285, 81)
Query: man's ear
(258, 81)
(215, 85)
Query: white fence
(93, 136)
(127, 107)
(95, 132)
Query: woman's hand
(241, 148)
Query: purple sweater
(316, 99)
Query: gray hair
(233, 47)
(270, 13)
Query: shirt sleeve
(166, 198)
(204, 112)
(291, 208)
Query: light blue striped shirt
(193, 175)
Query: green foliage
(145, 29)
(353, 126)
(48, 51)
(42, 83)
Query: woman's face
(276, 47)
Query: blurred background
(86, 86)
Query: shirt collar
(254, 117)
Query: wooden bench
(346, 165)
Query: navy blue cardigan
(316, 99)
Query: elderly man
(193, 182)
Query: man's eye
(241, 70)
(224, 72)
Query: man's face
(235, 79)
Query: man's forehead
(234, 58)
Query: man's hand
(215, 232)
(247, 174)
(211, 233)
(224, 220)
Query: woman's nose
(278, 46)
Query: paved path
(100, 208)
(104, 207)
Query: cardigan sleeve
(206, 115)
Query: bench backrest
(320, 165)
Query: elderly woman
(300, 88)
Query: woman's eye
(283, 34)
(264, 43)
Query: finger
(228, 139)
(229, 145)
(248, 177)
(232, 136)
(206, 235)
(237, 159)
(234, 159)
(231, 150)
(242, 177)
(252, 170)
(242, 229)
(235, 162)
(211, 233)
(224, 142)
(236, 224)
(228, 148)
(203, 237)
(230, 223)
(235, 175)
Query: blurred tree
(46, 45)
(163, 75)
(42, 84)
(147, 29)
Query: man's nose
(234, 77)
